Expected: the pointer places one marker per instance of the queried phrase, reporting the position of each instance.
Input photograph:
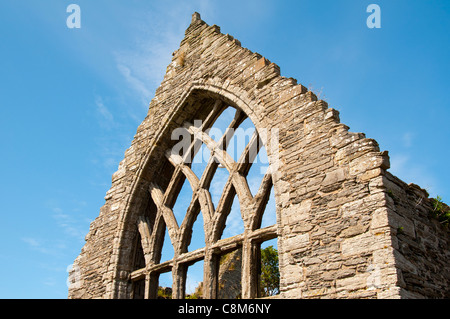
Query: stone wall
(230, 275)
(336, 236)
(421, 243)
(339, 210)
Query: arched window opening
(234, 224)
(269, 271)
(139, 259)
(201, 160)
(219, 182)
(194, 281)
(196, 237)
(221, 124)
(167, 251)
(138, 291)
(194, 243)
(164, 285)
(269, 217)
(257, 169)
(183, 202)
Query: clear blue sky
(71, 100)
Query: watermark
(374, 19)
(227, 308)
(225, 146)
(74, 19)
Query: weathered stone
(353, 231)
(336, 176)
(346, 227)
(298, 213)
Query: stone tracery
(252, 208)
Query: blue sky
(71, 100)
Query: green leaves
(440, 211)
(270, 274)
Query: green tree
(270, 274)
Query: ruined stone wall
(337, 223)
(230, 275)
(421, 243)
(336, 236)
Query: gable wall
(337, 225)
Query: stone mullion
(210, 274)
(179, 268)
(260, 201)
(249, 275)
(250, 152)
(143, 226)
(172, 185)
(152, 275)
(147, 291)
(151, 279)
(179, 271)
(265, 186)
(243, 191)
(151, 285)
(167, 213)
(156, 242)
(252, 237)
(192, 212)
(206, 205)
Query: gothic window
(214, 213)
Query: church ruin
(345, 227)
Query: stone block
(295, 242)
(292, 92)
(296, 214)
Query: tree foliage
(270, 274)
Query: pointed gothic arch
(164, 198)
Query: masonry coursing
(339, 210)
